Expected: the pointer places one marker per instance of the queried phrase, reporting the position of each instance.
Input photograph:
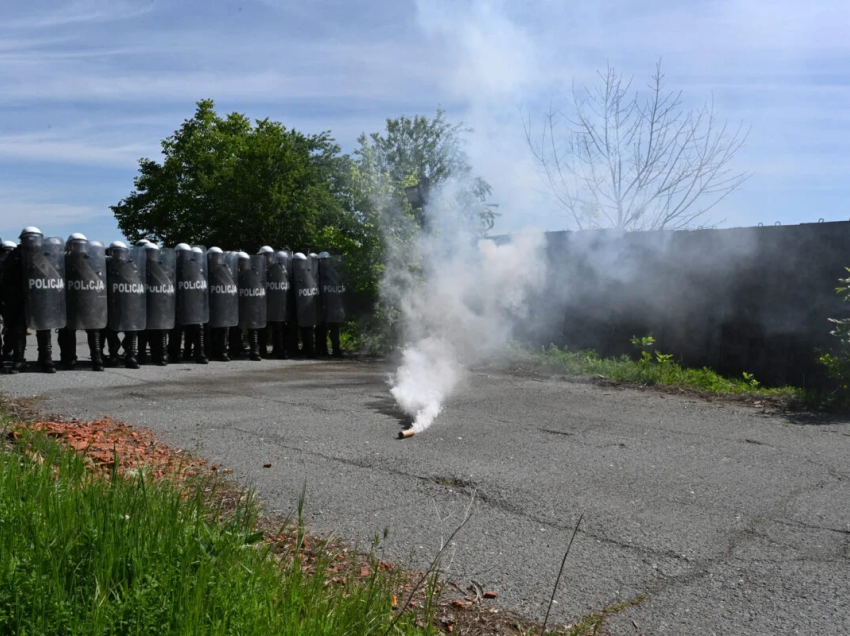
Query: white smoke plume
(461, 309)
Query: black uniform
(12, 306)
(86, 300)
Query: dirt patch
(112, 446)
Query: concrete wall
(744, 299)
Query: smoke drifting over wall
(461, 298)
(459, 306)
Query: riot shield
(252, 291)
(193, 305)
(125, 286)
(44, 281)
(332, 289)
(306, 292)
(86, 305)
(277, 287)
(223, 290)
(160, 287)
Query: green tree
(416, 156)
(229, 182)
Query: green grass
(651, 371)
(83, 554)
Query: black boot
(67, 348)
(207, 341)
(263, 341)
(292, 340)
(188, 342)
(333, 330)
(19, 348)
(218, 344)
(130, 352)
(95, 349)
(8, 345)
(279, 341)
(307, 342)
(175, 336)
(159, 347)
(113, 343)
(142, 355)
(322, 340)
(45, 351)
(254, 344)
(200, 344)
(235, 350)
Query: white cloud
(78, 12)
(78, 148)
(17, 213)
(778, 65)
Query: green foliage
(642, 343)
(658, 370)
(414, 157)
(229, 182)
(415, 165)
(749, 379)
(837, 363)
(842, 325)
(86, 555)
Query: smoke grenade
(460, 306)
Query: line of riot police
(169, 304)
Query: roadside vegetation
(92, 552)
(652, 368)
(105, 530)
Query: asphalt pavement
(728, 519)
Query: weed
(651, 368)
(83, 554)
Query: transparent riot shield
(252, 292)
(332, 289)
(125, 287)
(160, 287)
(223, 289)
(86, 304)
(277, 287)
(306, 292)
(193, 305)
(44, 281)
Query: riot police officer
(160, 299)
(224, 303)
(142, 355)
(306, 297)
(12, 307)
(251, 272)
(6, 248)
(192, 302)
(86, 299)
(331, 290)
(125, 270)
(277, 300)
(43, 262)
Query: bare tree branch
(631, 163)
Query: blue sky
(90, 86)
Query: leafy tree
(416, 156)
(229, 182)
(413, 176)
(613, 158)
